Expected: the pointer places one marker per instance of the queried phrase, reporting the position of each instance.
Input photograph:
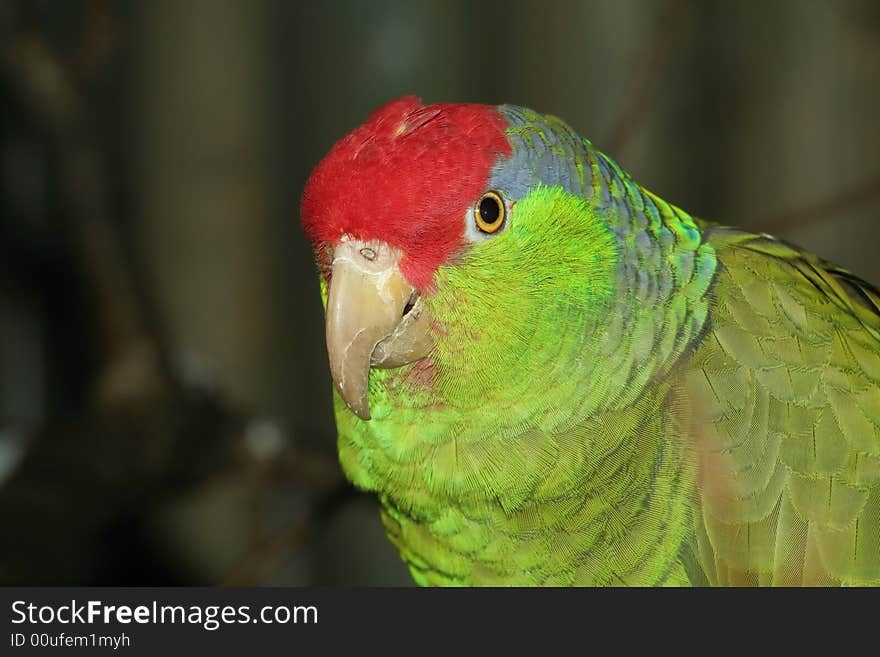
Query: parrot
(550, 376)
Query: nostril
(368, 253)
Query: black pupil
(489, 210)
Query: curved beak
(373, 318)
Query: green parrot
(550, 376)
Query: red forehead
(406, 177)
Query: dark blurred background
(164, 398)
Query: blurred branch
(852, 198)
(46, 87)
(99, 41)
(149, 435)
(248, 570)
(267, 553)
(324, 481)
(644, 79)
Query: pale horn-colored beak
(374, 317)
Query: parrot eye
(489, 212)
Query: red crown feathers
(406, 177)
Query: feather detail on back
(787, 383)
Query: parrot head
(464, 242)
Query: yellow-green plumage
(620, 394)
(787, 388)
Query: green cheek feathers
(516, 315)
(503, 306)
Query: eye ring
(490, 213)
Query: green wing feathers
(786, 389)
